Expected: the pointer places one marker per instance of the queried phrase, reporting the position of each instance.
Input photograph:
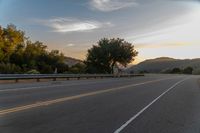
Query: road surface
(150, 104)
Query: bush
(188, 70)
(8, 68)
(77, 68)
(143, 72)
(33, 71)
(196, 71)
(176, 71)
(45, 68)
(166, 71)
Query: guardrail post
(38, 78)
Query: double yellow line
(64, 99)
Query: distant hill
(164, 63)
(72, 61)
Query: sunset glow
(156, 28)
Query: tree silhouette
(188, 70)
(101, 58)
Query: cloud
(64, 25)
(183, 29)
(111, 5)
(161, 45)
(70, 45)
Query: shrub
(8, 68)
(196, 71)
(176, 71)
(33, 71)
(188, 70)
(77, 68)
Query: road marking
(39, 87)
(50, 102)
(50, 86)
(146, 107)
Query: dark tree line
(176, 70)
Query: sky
(157, 28)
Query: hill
(72, 61)
(164, 63)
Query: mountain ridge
(162, 64)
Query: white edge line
(49, 102)
(146, 107)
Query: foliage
(33, 71)
(143, 72)
(196, 71)
(7, 68)
(101, 58)
(10, 38)
(188, 70)
(77, 68)
(176, 71)
(19, 54)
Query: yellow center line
(50, 102)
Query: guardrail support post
(38, 80)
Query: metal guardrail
(54, 77)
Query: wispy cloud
(161, 45)
(111, 5)
(70, 45)
(65, 25)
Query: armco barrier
(54, 77)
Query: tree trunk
(112, 66)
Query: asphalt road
(150, 104)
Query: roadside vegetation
(176, 70)
(103, 57)
(187, 70)
(18, 54)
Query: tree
(57, 61)
(18, 54)
(7, 68)
(10, 38)
(32, 53)
(196, 71)
(101, 58)
(176, 71)
(77, 68)
(188, 70)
